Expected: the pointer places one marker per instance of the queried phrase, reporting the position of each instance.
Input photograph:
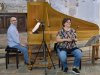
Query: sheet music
(91, 41)
(36, 27)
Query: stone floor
(87, 67)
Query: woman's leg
(77, 54)
(63, 57)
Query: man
(66, 39)
(14, 39)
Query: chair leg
(62, 67)
(59, 63)
(6, 61)
(17, 60)
(80, 65)
(7, 56)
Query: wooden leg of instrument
(30, 57)
(49, 64)
(97, 53)
(93, 54)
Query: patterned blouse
(67, 34)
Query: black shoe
(75, 70)
(26, 63)
(66, 69)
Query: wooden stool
(12, 52)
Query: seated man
(66, 39)
(14, 39)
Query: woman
(66, 39)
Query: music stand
(45, 48)
(91, 41)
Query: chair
(68, 55)
(10, 52)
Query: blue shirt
(13, 36)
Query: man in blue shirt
(14, 39)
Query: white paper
(36, 27)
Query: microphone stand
(45, 48)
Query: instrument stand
(44, 47)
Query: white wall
(59, 6)
(87, 9)
(19, 6)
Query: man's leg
(77, 54)
(24, 50)
(63, 58)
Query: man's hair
(12, 18)
(65, 20)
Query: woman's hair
(65, 20)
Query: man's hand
(24, 44)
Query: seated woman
(66, 39)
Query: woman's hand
(24, 44)
(69, 39)
(75, 40)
